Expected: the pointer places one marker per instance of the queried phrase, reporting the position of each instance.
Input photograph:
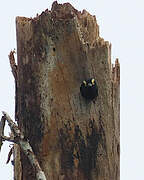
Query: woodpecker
(89, 89)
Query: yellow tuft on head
(93, 81)
(84, 82)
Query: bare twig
(9, 154)
(25, 146)
(5, 138)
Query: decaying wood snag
(71, 137)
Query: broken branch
(14, 128)
(5, 138)
(25, 146)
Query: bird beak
(89, 84)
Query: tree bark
(71, 137)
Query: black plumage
(89, 89)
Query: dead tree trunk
(71, 137)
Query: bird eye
(93, 81)
(84, 82)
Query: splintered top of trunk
(86, 24)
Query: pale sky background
(121, 23)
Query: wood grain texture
(71, 137)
